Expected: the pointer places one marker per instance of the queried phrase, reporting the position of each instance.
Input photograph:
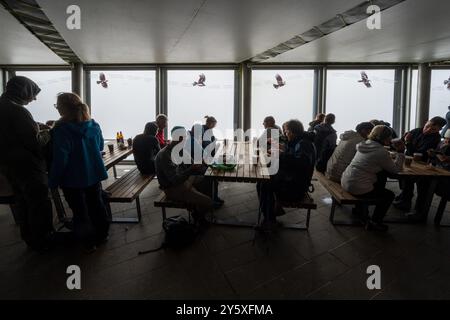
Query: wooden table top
(421, 169)
(110, 159)
(244, 171)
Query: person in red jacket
(161, 123)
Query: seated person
(145, 149)
(325, 141)
(441, 159)
(161, 123)
(210, 124)
(264, 140)
(365, 177)
(177, 181)
(346, 149)
(376, 122)
(293, 179)
(419, 140)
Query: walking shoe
(376, 226)
(403, 205)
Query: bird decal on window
(280, 82)
(447, 83)
(365, 79)
(103, 80)
(201, 81)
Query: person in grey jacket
(178, 182)
(346, 149)
(365, 176)
(23, 162)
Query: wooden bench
(342, 197)
(163, 203)
(9, 200)
(127, 189)
(306, 203)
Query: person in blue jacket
(77, 168)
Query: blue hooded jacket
(77, 160)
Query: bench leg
(333, 209)
(164, 215)
(440, 211)
(115, 172)
(130, 220)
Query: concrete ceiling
(19, 46)
(177, 31)
(229, 31)
(412, 31)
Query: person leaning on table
(365, 177)
(178, 182)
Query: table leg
(425, 209)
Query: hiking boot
(403, 205)
(376, 226)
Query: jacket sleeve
(28, 132)
(61, 152)
(392, 166)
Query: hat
(447, 134)
(364, 126)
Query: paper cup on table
(408, 161)
(111, 148)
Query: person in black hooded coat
(23, 162)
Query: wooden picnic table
(422, 170)
(245, 170)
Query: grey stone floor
(326, 262)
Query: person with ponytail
(77, 167)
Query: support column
(246, 95)
(77, 79)
(423, 94)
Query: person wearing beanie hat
(177, 180)
(23, 162)
(366, 176)
(346, 149)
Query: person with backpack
(23, 163)
(296, 167)
(325, 141)
(77, 167)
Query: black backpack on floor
(179, 233)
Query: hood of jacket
(324, 127)
(83, 129)
(369, 146)
(21, 90)
(349, 135)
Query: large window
(413, 112)
(353, 102)
(292, 100)
(51, 83)
(440, 92)
(125, 103)
(194, 94)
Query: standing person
(318, 120)
(325, 141)
(346, 150)
(23, 162)
(161, 123)
(145, 149)
(177, 181)
(293, 179)
(77, 167)
(366, 176)
(419, 140)
(447, 126)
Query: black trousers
(384, 197)
(90, 217)
(33, 208)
